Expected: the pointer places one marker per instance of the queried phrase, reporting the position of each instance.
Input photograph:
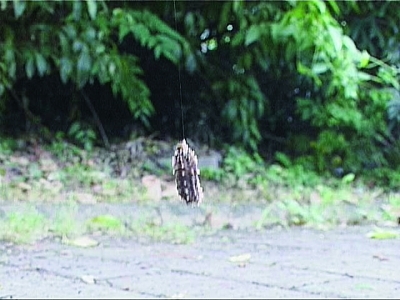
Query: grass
(171, 232)
(23, 226)
(29, 225)
(67, 175)
(323, 207)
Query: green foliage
(390, 210)
(7, 145)
(393, 111)
(212, 174)
(341, 88)
(23, 227)
(261, 69)
(80, 46)
(386, 177)
(293, 176)
(240, 167)
(65, 221)
(373, 25)
(383, 234)
(341, 70)
(244, 106)
(64, 151)
(83, 136)
(105, 223)
(151, 32)
(240, 163)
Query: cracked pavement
(293, 263)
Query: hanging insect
(186, 172)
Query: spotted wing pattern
(186, 172)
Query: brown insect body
(186, 172)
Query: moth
(186, 172)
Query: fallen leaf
(83, 242)
(380, 234)
(240, 258)
(379, 257)
(89, 279)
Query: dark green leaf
(252, 35)
(92, 8)
(66, 67)
(19, 7)
(77, 10)
(83, 68)
(3, 4)
(41, 64)
(30, 67)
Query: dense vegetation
(305, 83)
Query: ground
(279, 262)
(110, 224)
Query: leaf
(224, 16)
(41, 64)
(3, 4)
(19, 7)
(364, 59)
(65, 69)
(237, 39)
(240, 258)
(77, 10)
(30, 67)
(304, 70)
(351, 47)
(319, 68)
(320, 5)
(191, 63)
(237, 6)
(364, 76)
(348, 178)
(252, 35)
(157, 52)
(336, 36)
(82, 242)
(84, 62)
(89, 279)
(380, 234)
(334, 6)
(92, 8)
(83, 67)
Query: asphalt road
(241, 263)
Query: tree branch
(97, 120)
